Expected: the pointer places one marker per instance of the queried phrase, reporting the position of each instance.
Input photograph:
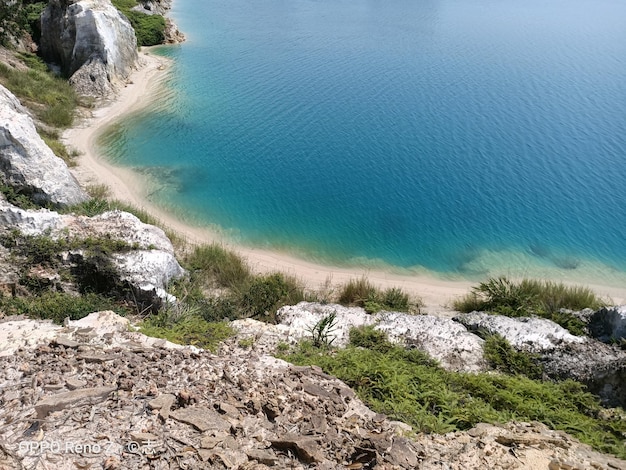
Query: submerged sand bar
(130, 187)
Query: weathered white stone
(27, 163)
(92, 34)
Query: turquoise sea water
(461, 136)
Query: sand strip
(127, 186)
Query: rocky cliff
(27, 164)
(91, 41)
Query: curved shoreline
(127, 186)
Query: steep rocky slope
(95, 395)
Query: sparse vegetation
(501, 356)
(531, 297)
(409, 386)
(322, 332)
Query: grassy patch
(52, 99)
(218, 266)
(187, 329)
(501, 356)
(58, 305)
(409, 386)
(361, 293)
(531, 297)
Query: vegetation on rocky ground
(407, 385)
(530, 297)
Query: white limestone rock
(27, 163)
(94, 44)
(529, 334)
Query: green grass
(409, 386)
(58, 305)
(218, 266)
(501, 356)
(361, 293)
(187, 329)
(52, 99)
(531, 297)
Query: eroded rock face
(608, 324)
(27, 164)
(91, 41)
(599, 366)
(148, 268)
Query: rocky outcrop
(95, 394)
(599, 366)
(92, 42)
(444, 340)
(162, 7)
(148, 268)
(27, 164)
(608, 324)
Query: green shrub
(369, 337)
(263, 295)
(149, 29)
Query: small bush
(264, 295)
(369, 337)
(322, 332)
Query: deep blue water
(463, 136)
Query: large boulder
(599, 366)
(92, 42)
(27, 164)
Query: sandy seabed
(126, 185)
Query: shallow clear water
(464, 137)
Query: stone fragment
(201, 418)
(163, 403)
(73, 384)
(95, 357)
(66, 342)
(60, 401)
(266, 457)
(143, 437)
(403, 454)
(307, 449)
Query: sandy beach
(125, 185)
